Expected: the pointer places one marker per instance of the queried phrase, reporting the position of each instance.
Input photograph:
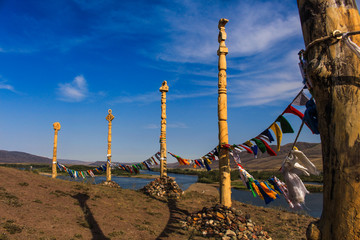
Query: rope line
(336, 34)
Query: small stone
(257, 228)
(219, 215)
(226, 238)
(249, 224)
(247, 216)
(230, 233)
(312, 231)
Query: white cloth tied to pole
(296, 188)
(308, 168)
(235, 155)
(291, 169)
(355, 48)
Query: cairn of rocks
(110, 184)
(164, 188)
(224, 223)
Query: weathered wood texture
(163, 169)
(334, 71)
(224, 164)
(57, 128)
(109, 118)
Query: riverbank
(35, 206)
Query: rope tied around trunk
(339, 36)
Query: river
(313, 201)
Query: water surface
(313, 201)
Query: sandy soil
(38, 207)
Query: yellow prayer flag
(278, 134)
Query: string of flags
(133, 169)
(261, 141)
(293, 189)
(203, 162)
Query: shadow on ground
(89, 217)
(173, 225)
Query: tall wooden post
(224, 164)
(334, 70)
(57, 127)
(109, 117)
(163, 89)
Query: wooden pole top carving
(57, 126)
(110, 117)
(222, 37)
(164, 87)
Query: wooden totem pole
(109, 117)
(163, 89)
(57, 127)
(224, 164)
(334, 70)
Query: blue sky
(71, 60)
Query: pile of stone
(224, 223)
(110, 184)
(163, 188)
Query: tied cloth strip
(290, 170)
(262, 189)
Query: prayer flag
(278, 134)
(285, 125)
(301, 99)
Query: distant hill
(263, 162)
(22, 157)
(266, 162)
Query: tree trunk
(335, 74)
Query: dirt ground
(38, 207)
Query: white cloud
(254, 94)
(151, 97)
(252, 29)
(75, 91)
(6, 86)
(177, 125)
(152, 126)
(145, 98)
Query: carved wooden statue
(109, 117)
(224, 164)
(163, 89)
(57, 127)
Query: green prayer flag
(260, 144)
(285, 125)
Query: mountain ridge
(263, 162)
